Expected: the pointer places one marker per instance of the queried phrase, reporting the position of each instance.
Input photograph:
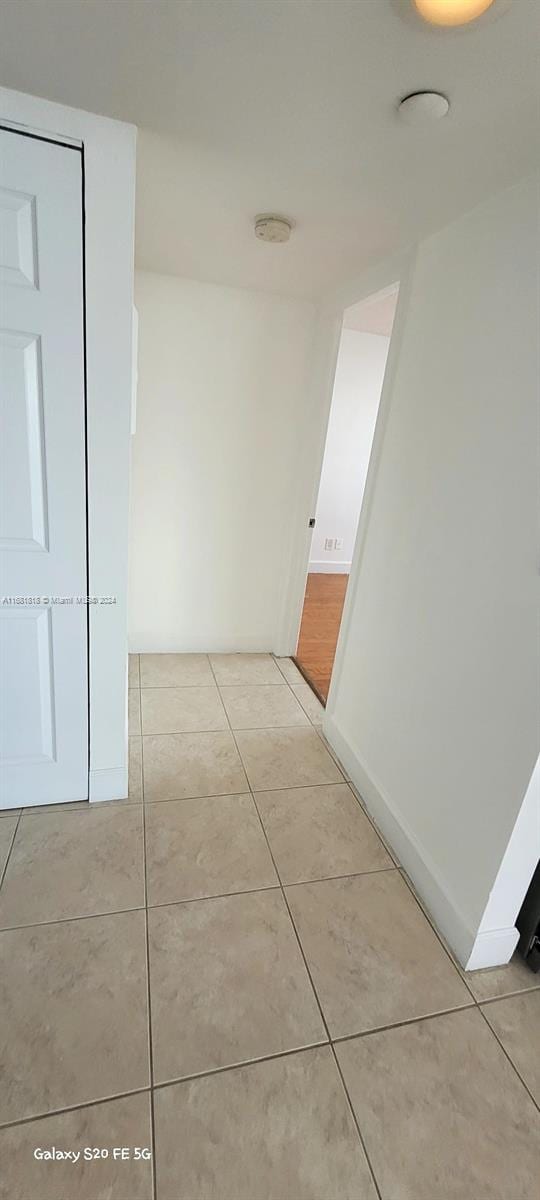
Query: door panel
(27, 731)
(22, 468)
(18, 252)
(43, 574)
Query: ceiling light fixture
(451, 12)
(421, 107)
(450, 16)
(271, 228)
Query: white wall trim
(108, 784)
(431, 887)
(518, 864)
(324, 567)
(493, 949)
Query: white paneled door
(43, 576)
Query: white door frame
(54, 445)
(397, 269)
(109, 207)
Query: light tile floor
(229, 971)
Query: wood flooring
(321, 619)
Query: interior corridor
(231, 971)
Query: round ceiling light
(451, 12)
(421, 107)
(270, 228)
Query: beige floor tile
(311, 705)
(9, 812)
(7, 829)
(245, 669)
(135, 769)
(182, 710)
(205, 847)
(281, 1130)
(73, 1020)
(116, 1123)
(73, 865)
(442, 1112)
(516, 1021)
(373, 956)
(281, 758)
(134, 711)
(175, 670)
(317, 832)
(260, 706)
(502, 981)
(228, 984)
(177, 766)
(289, 670)
(134, 678)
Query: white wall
(220, 416)
(434, 703)
(355, 402)
(109, 174)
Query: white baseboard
(493, 948)
(329, 568)
(108, 784)
(422, 871)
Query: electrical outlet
(329, 543)
(338, 544)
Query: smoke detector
(422, 107)
(271, 228)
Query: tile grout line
(308, 972)
(427, 1016)
(510, 1060)
(507, 995)
(238, 1066)
(116, 912)
(148, 988)
(307, 723)
(59, 1112)
(356, 1122)
(216, 795)
(11, 844)
(96, 806)
(319, 1006)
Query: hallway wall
(220, 411)
(355, 403)
(434, 705)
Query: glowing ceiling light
(451, 12)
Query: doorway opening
(361, 362)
